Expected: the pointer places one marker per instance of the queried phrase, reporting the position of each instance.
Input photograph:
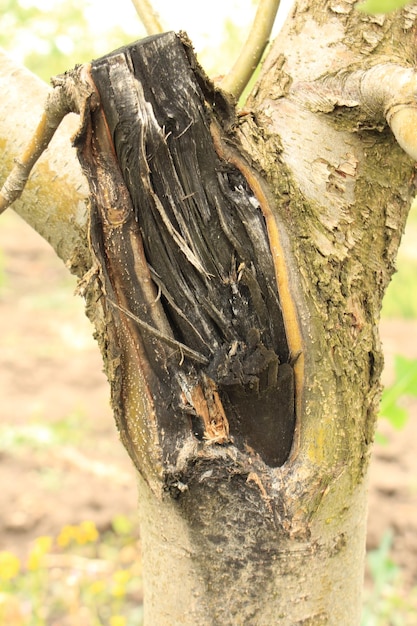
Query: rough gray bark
(231, 539)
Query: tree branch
(383, 93)
(54, 202)
(253, 48)
(63, 99)
(148, 16)
(393, 89)
(55, 110)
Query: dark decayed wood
(183, 248)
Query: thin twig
(253, 49)
(148, 16)
(55, 110)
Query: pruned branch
(384, 93)
(188, 260)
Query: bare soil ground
(51, 378)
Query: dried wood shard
(184, 248)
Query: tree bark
(232, 535)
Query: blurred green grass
(386, 603)
(36, 435)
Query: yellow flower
(117, 620)
(66, 536)
(86, 532)
(97, 587)
(118, 591)
(41, 546)
(120, 578)
(9, 565)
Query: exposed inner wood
(185, 252)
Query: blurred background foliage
(51, 36)
(401, 297)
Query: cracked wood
(186, 262)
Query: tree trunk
(252, 487)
